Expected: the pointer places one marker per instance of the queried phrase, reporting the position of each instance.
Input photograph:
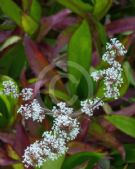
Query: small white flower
(33, 111)
(10, 88)
(26, 94)
(49, 148)
(89, 105)
(97, 75)
(113, 49)
(116, 45)
(61, 109)
(66, 127)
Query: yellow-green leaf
(28, 24)
(77, 6)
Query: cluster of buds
(66, 125)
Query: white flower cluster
(10, 89)
(53, 144)
(50, 147)
(61, 109)
(64, 125)
(32, 110)
(89, 105)
(26, 94)
(112, 76)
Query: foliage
(53, 47)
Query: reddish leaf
(121, 25)
(4, 36)
(76, 147)
(84, 128)
(59, 20)
(21, 141)
(64, 38)
(5, 160)
(23, 79)
(7, 138)
(48, 51)
(39, 64)
(99, 133)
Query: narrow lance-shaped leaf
(35, 10)
(101, 7)
(28, 24)
(79, 56)
(39, 63)
(79, 158)
(124, 123)
(77, 6)
(99, 133)
(12, 10)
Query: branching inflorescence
(66, 125)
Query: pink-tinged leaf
(23, 78)
(59, 20)
(64, 38)
(4, 36)
(77, 147)
(48, 51)
(97, 132)
(84, 128)
(39, 63)
(5, 160)
(36, 60)
(7, 138)
(21, 141)
(120, 25)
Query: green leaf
(77, 6)
(129, 73)
(28, 24)
(56, 164)
(124, 123)
(35, 10)
(10, 9)
(79, 56)
(25, 4)
(11, 40)
(12, 62)
(129, 158)
(101, 7)
(79, 158)
(58, 94)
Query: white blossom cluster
(89, 105)
(32, 110)
(26, 94)
(61, 109)
(111, 76)
(10, 89)
(64, 125)
(53, 144)
(50, 147)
